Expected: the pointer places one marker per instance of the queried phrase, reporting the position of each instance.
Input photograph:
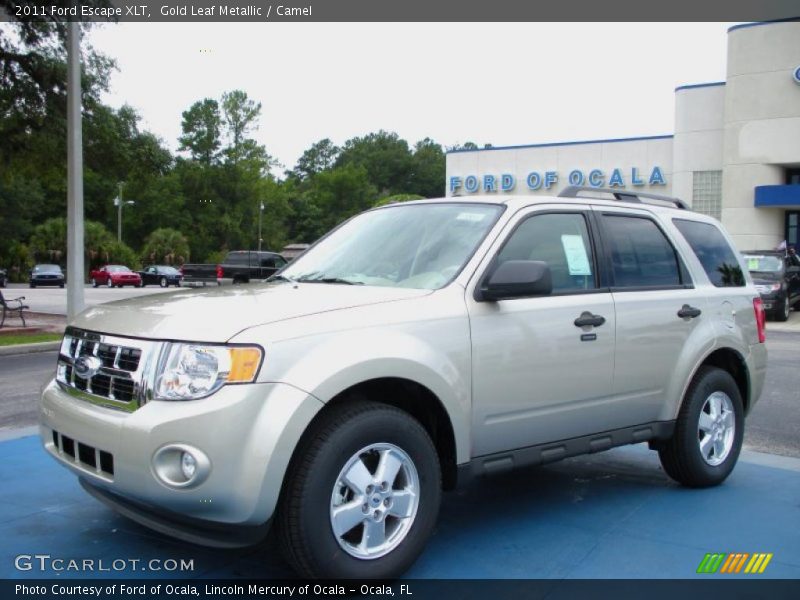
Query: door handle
(587, 319)
(689, 312)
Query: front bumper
(247, 431)
(44, 282)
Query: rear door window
(713, 251)
(641, 255)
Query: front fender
(328, 364)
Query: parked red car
(115, 275)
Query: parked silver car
(414, 346)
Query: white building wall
(640, 153)
(748, 128)
(699, 127)
(762, 127)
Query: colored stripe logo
(735, 562)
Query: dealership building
(734, 153)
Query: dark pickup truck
(240, 266)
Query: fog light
(180, 466)
(188, 465)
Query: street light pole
(260, 210)
(75, 258)
(118, 202)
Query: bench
(12, 308)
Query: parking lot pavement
(792, 325)
(609, 515)
(53, 300)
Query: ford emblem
(87, 367)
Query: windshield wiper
(281, 278)
(331, 280)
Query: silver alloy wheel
(716, 428)
(374, 501)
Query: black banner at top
(213, 11)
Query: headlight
(191, 371)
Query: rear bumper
(757, 370)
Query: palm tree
(166, 245)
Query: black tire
(303, 518)
(32, 285)
(782, 311)
(163, 282)
(94, 282)
(109, 283)
(681, 456)
(61, 285)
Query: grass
(13, 340)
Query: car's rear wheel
(362, 494)
(94, 282)
(109, 283)
(782, 311)
(708, 432)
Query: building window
(707, 193)
(792, 176)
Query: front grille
(106, 370)
(83, 455)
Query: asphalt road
(773, 426)
(53, 300)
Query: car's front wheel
(109, 283)
(708, 432)
(163, 282)
(362, 494)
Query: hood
(217, 314)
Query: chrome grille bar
(124, 384)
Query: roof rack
(573, 191)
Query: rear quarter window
(713, 251)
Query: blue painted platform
(610, 515)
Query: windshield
(117, 269)
(763, 264)
(47, 268)
(421, 246)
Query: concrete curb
(29, 348)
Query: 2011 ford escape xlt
(413, 346)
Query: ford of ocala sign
(536, 180)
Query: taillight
(761, 320)
(219, 271)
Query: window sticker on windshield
(472, 217)
(577, 258)
(752, 263)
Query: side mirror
(517, 279)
